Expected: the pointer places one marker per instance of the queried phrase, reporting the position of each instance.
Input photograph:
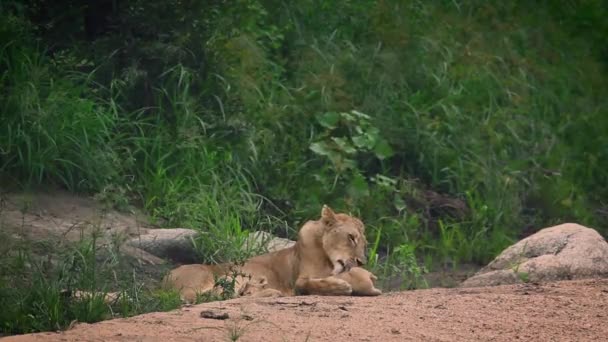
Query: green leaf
(361, 141)
(358, 187)
(399, 203)
(348, 164)
(342, 163)
(383, 150)
(328, 119)
(360, 115)
(385, 181)
(373, 135)
(321, 148)
(344, 145)
(349, 117)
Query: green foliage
(401, 263)
(228, 283)
(49, 131)
(348, 137)
(362, 137)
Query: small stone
(214, 315)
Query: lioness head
(343, 240)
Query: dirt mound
(64, 215)
(561, 311)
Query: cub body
(361, 280)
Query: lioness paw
(375, 292)
(340, 287)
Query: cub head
(343, 240)
(253, 286)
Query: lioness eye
(352, 239)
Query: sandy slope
(563, 311)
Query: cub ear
(262, 281)
(328, 216)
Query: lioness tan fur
(325, 248)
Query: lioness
(324, 248)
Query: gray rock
(262, 242)
(143, 257)
(172, 243)
(566, 251)
(176, 243)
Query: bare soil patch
(560, 311)
(65, 216)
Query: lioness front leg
(329, 286)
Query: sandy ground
(563, 311)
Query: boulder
(566, 251)
(142, 257)
(176, 243)
(263, 242)
(172, 243)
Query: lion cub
(257, 287)
(361, 280)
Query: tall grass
(50, 132)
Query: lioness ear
(328, 216)
(361, 228)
